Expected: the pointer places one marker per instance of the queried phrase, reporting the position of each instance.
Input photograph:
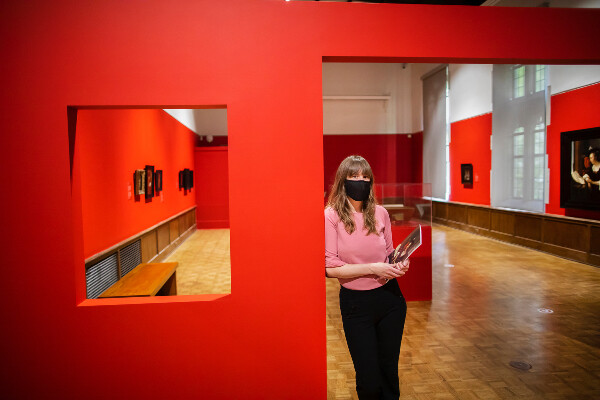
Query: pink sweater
(357, 248)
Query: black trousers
(373, 324)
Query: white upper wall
(202, 121)
(402, 110)
(568, 77)
(470, 90)
(360, 98)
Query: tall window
(519, 137)
(539, 164)
(518, 162)
(540, 78)
(519, 81)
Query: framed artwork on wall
(188, 179)
(466, 174)
(149, 181)
(139, 182)
(580, 169)
(158, 180)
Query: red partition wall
(572, 110)
(416, 285)
(263, 60)
(393, 158)
(470, 144)
(211, 183)
(110, 146)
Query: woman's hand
(403, 265)
(387, 271)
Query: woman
(592, 175)
(358, 240)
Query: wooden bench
(147, 279)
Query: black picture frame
(188, 179)
(576, 164)
(466, 174)
(149, 181)
(158, 174)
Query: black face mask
(358, 190)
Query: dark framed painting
(188, 180)
(466, 174)
(139, 182)
(158, 180)
(580, 169)
(149, 169)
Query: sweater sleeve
(387, 232)
(331, 240)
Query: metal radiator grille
(101, 276)
(131, 257)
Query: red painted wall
(573, 110)
(393, 158)
(211, 183)
(114, 143)
(470, 144)
(262, 59)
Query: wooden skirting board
(573, 238)
(158, 241)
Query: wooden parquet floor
(204, 263)
(484, 314)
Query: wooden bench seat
(147, 279)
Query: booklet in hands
(406, 248)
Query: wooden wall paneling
(565, 252)
(528, 227)
(181, 224)
(502, 222)
(189, 223)
(163, 237)
(479, 217)
(457, 213)
(149, 246)
(595, 240)
(173, 230)
(578, 240)
(570, 235)
(440, 210)
(593, 259)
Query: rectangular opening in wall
(151, 202)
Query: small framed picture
(188, 179)
(149, 181)
(139, 182)
(158, 180)
(466, 174)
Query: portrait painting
(580, 169)
(139, 182)
(466, 173)
(149, 181)
(158, 180)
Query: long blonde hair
(338, 199)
